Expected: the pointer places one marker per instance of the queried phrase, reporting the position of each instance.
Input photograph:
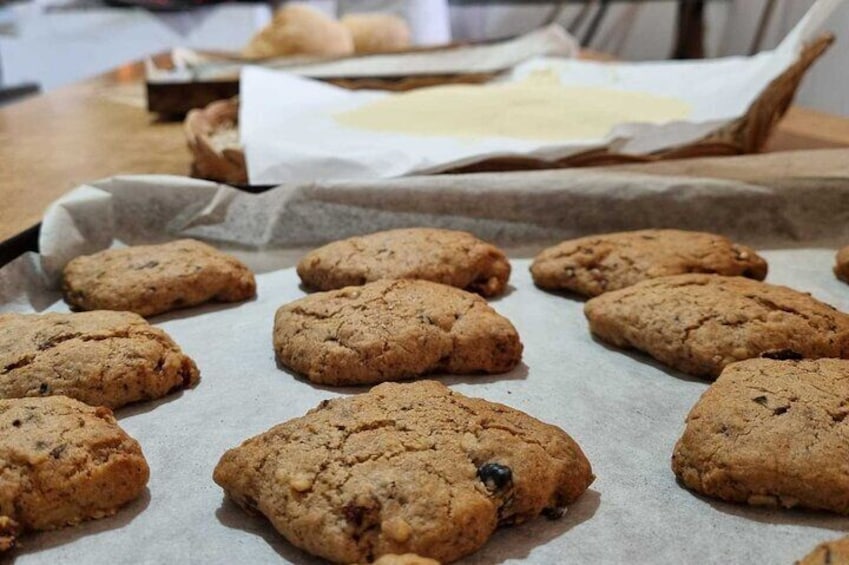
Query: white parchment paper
(625, 411)
(483, 58)
(289, 134)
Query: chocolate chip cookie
(404, 468)
(698, 323)
(101, 358)
(771, 433)
(393, 330)
(593, 265)
(841, 268)
(835, 552)
(449, 257)
(63, 462)
(152, 279)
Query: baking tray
(625, 410)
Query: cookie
(698, 323)
(152, 279)
(771, 433)
(593, 265)
(404, 468)
(393, 330)
(835, 552)
(101, 358)
(454, 258)
(841, 268)
(63, 462)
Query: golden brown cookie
(101, 358)
(393, 330)
(771, 433)
(298, 29)
(63, 462)
(834, 552)
(593, 265)
(449, 257)
(152, 279)
(404, 468)
(841, 267)
(698, 324)
(376, 32)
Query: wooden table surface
(97, 128)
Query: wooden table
(53, 142)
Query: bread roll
(376, 33)
(298, 29)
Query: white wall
(56, 48)
(645, 31)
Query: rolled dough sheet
(538, 108)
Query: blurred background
(49, 43)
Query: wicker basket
(213, 138)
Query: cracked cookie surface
(771, 433)
(152, 279)
(64, 462)
(593, 265)
(698, 323)
(404, 468)
(101, 358)
(393, 330)
(835, 552)
(455, 258)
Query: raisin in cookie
(454, 258)
(63, 462)
(841, 268)
(393, 330)
(593, 265)
(771, 433)
(152, 279)
(404, 468)
(101, 358)
(835, 552)
(698, 324)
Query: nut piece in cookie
(152, 279)
(455, 258)
(405, 559)
(834, 552)
(393, 330)
(404, 468)
(698, 324)
(9, 531)
(593, 265)
(841, 267)
(64, 462)
(102, 358)
(771, 433)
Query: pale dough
(532, 109)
